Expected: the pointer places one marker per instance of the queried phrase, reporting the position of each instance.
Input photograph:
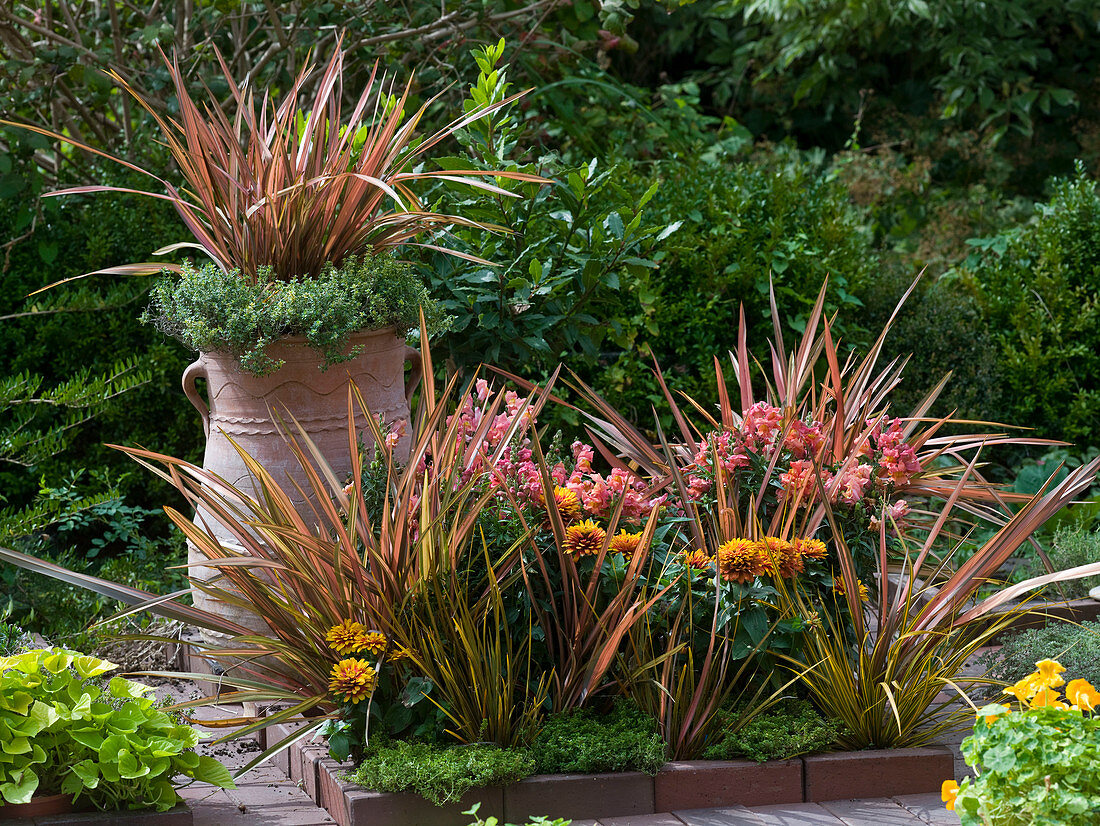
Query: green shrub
(1073, 547)
(581, 742)
(940, 329)
(442, 774)
(790, 728)
(1039, 287)
(779, 216)
(1077, 647)
(211, 310)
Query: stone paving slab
(729, 816)
(796, 814)
(642, 820)
(871, 812)
(928, 808)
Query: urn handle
(413, 357)
(197, 370)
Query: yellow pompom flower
(343, 638)
(785, 557)
(584, 539)
(948, 792)
(569, 504)
(352, 680)
(373, 641)
(625, 543)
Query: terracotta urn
(247, 408)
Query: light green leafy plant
(63, 731)
(1037, 762)
(211, 310)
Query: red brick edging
(677, 786)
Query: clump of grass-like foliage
(625, 739)
(214, 311)
(790, 728)
(442, 774)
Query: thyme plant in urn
(299, 205)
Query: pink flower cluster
(598, 494)
(883, 460)
(516, 469)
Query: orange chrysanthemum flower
(785, 559)
(742, 560)
(697, 560)
(838, 587)
(584, 539)
(344, 638)
(373, 641)
(625, 543)
(569, 504)
(811, 548)
(352, 680)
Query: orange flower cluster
(697, 560)
(352, 680)
(351, 637)
(742, 560)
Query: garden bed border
(678, 786)
(179, 815)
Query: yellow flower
(838, 587)
(1048, 671)
(625, 543)
(948, 792)
(372, 641)
(1047, 698)
(1083, 695)
(584, 539)
(742, 560)
(569, 504)
(1026, 688)
(352, 680)
(343, 638)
